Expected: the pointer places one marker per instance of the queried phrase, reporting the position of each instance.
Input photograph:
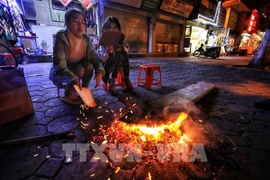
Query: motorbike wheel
(196, 53)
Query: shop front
(251, 42)
(207, 29)
(135, 28)
(198, 36)
(167, 37)
(147, 28)
(170, 29)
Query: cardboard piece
(114, 38)
(14, 95)
(86, 96)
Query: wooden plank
(177, 100)
(165, 106)
(62, 135)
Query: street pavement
(234, 133)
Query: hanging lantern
(65, 2)
(86, 3)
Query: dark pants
(84, 71)
(114, 63)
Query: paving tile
(130, 100)
(249, 102)
(35, 98)
(238, 141)
(51, 95)
(3, 153)
(227, 128)
(232, 174)
(218, 110)
(248, 128)
(36, 93)
(43, 109)
(237, 117)
(84, 170)
(262, 127)
(240, 108)
(25, 132)
(61, 110)
(51, 102)
(264, 115)
(257, 140)
(56, 150)
(37, 178)
(63, 124)
(50, 168)
(37, 106)
(254, 161)
(22, 162)
(45, 120)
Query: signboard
(29, 10)
(3, 2)
(86, 3)
(151, 5)
(233, 19)
(132, 3)
(207, 12)
(193, 2)
(177, 7)
(65, 2)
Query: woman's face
(76, 24)
(113, 27)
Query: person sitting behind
(201, 49)
(115, 58)
(74, 56)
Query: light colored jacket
(61, 53)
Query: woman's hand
(110, 49)
(76, 82)
(105, 56)
(107, 53)
(98, 78)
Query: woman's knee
(88, 68)
(78, 70)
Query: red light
(252, 17)
(251, 23)
(249, 28)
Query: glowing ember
(169, 132)
(158, 141)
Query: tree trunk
(262, 56)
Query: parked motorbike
(212, 52)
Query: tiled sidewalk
(234, 132)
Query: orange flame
(142, 133)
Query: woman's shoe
(105, 86)
(112, 87)
(127, 85)
(72, 100)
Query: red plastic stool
(17, 51)
(119, 78)
(149, 80)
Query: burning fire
(169, 132)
